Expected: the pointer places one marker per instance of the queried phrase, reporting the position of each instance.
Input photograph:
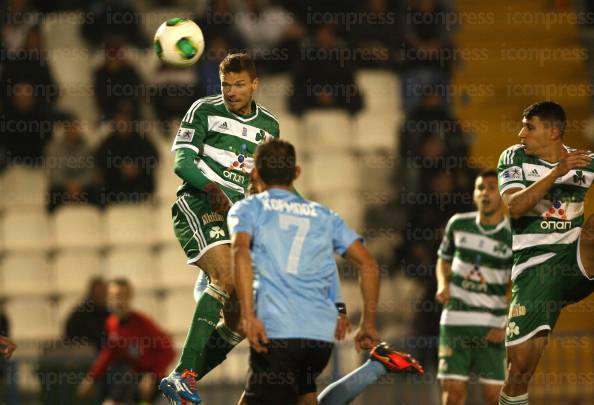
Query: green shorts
(541, 291)
(197, 226)
(464, 350)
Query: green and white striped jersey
(481, 258)
(554, 223)
(225, 142)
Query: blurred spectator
(117, 83)
(325, 79)
(174, 91)
(426, 56)
(4, 325)
(433, 116)
(271, 34)
(112, 21)
(377, 35)
(18, 16)
(210, 81)
(86, 323)
(30, 64)
(127, 161)
(26, 127)
(219, 18)
(137, 352)
(70, 164)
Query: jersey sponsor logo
(511, 174)
(475, 281)
(185, 134)
(238, 178)
(274, 204)
(516, 311)
(555, 225)
(216, 232)
(212, 217)
(240, 162)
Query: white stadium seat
(129, 225)
(24, 230)
(149, 305)
(349, 205)
(377, 132)
(274, 92)
(290, 131)
(73, 269)
(178, 311)
(329, 172)
(23, 187)
(135, 264)
(381, 90)
(327, 130)
(26, 274)
(32, 318)
(164, 226)
(78, 227)
(173, 270)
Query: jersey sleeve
(242, 217)
(447, 246)
(342, 235)
(509, 170)
(193, 129)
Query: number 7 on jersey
(302, 224)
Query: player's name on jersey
(212, 217)
(274, 204)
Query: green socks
(205, 318)
(220, 343)
(519, 400)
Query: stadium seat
(330, 172)
(351, 294)
(73, 269)
(32, 318)
(326, 130)
(23, 187)
(164, 234)
(381, 90)
(173, 270)
(135, 264)
(78, 227)
(178, 310)
(273, 93)
(167, 180)
(26, 275)
(377, 132)
(349, 205)
(25, 230)
(148, 304)
(129, 225)
(290, 131)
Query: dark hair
(549, 112)
(487, 173)
(238, 62)
(275, 161)
(122, 282)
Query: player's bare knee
(453, 393)
(491, 396)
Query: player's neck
(490, 219)
(554, 153)
(278, 186)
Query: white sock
(519, 400)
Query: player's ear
(297, 172)
(255, 83)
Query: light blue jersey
(294, 242)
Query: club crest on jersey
(239, 163)
(579, 178)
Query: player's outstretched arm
(358, 254)
(243, 273)
(520, 201)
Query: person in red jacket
(135, 355)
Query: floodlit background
(393, 107)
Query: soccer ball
(179, 42)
